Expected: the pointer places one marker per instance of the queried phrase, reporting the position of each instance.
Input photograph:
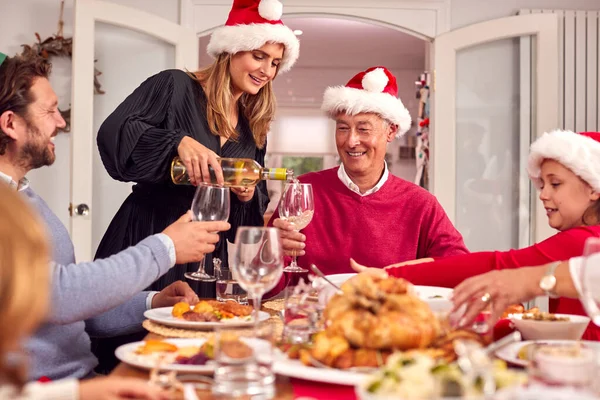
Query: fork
(321, 275)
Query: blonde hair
(24, 278)
(259, 109)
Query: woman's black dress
(138, 141)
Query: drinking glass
(211, 203)
(228, 287)
(568, 363)
(303, 312)
(244, 362)
(589, 279)
(297, 206)
(257, 262)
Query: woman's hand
(292, 241)
(196, 159)
(411, 262)
(245, 193)
(361, 269)
(496, 289)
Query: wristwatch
(548, 281)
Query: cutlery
(321, 275)
(505, 341)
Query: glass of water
(303, 312)
(244, 362)
(228, 287)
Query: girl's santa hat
(580, 152)
(252, 24)
(371, 91)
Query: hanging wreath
(58, 46)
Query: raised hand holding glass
(211, 203)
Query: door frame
(86, 14)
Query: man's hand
(194, 239)
(174, 293)
(116, 388)
(292, 241)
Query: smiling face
(40, 126)
(361, 142)
(251, 70)
(565, 196)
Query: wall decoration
(59, 46)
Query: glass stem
(257, 304)
(201, 266)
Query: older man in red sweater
(361, 210)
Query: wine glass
(589, 279)
(211, 203)
(297, 207)
(257, 262)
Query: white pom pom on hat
(270, 9)
(375, 81)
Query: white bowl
(546, 330)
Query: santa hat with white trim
(371, 91)
(252, 24)
(580, 152)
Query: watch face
(548, 282)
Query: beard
(35, 153)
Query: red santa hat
(580, 152)
(252, 24)
(371, 91)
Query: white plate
(294, 368)
(163, 316)
(510, 353)
(126, 353)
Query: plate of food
(182, 355)
(518, 353)
(371, 320)
(537, 325)
(418, 376)
(205, 315)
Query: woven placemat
(272, 307)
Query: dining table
(286, 388)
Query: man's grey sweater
(100, 298)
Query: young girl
(24, 296)
(223, 110)
(565, 167)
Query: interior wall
(138, 57)
(467, 12)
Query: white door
(87, 14)
(495, 89)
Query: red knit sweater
(399, 222)
(450, 271)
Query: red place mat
(321, 391)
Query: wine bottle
(237, 172)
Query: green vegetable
(373, 387)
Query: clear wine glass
(589, 279)
(257, 262)
(211, 203)
(297, 207)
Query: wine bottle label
(279, 174)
